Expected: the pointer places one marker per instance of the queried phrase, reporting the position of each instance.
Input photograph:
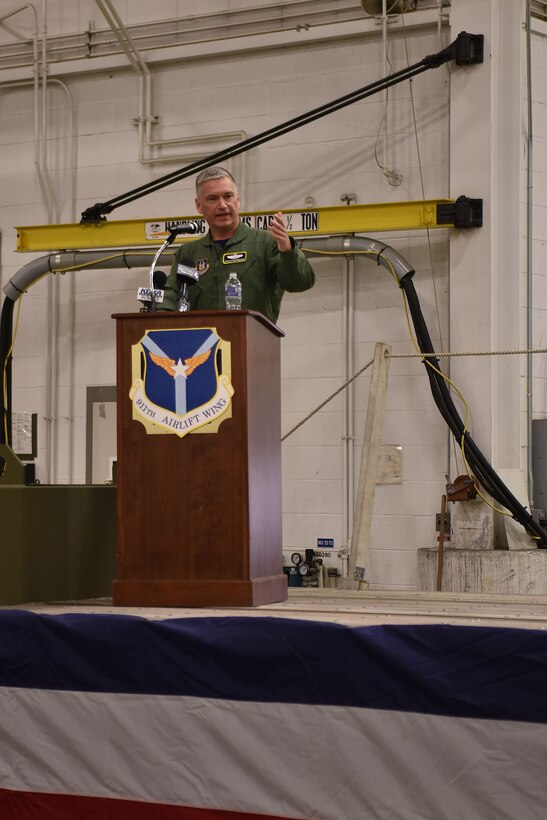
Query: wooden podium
(199, 516)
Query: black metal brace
(463, 213)
(465, 50)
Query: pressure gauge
(296, 558)
(303, 569)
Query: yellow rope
(465, 353)
(326, 401)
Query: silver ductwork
(77, 260)
(384, 254)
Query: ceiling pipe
(149, 147)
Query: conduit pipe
(393, 177)
(84, 52)
(35, 70)
(40, 118)
(530, 261)
(348, 429)
(40, 100)
(385, 256)
(146, 117)
(48, 194)
(51, 209)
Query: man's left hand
(280, 233)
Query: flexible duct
(76, 260)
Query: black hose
(481, 468)
(6, 330)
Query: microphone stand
(159, 252)
(186, 276)
(191, 227)
(183, 305)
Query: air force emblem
(181, 381)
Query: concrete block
(491, 571)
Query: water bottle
(233, 292)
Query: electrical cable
(6, 325)
(428, 232)
(6, 346)
(480, 466)
(474, 459)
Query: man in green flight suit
(267, 263)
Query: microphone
(186, 276)
(144, 295)
(186, 227)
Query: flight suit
(265, 273)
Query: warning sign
(295, 222)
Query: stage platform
(364, 608)
(330, 706)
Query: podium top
(208, 315)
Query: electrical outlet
(446, 522)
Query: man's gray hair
(214, 172)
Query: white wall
(250, 91)
(539, 232)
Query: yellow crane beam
(372, 218)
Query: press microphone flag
(186, 273)
(144, 295)
(186, 276)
